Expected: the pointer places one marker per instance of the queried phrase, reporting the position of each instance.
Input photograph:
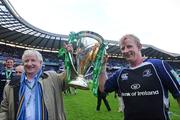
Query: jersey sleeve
(169, 80)
(111, 83)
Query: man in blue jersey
(144, 85)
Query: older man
(37, 95)
(144, 85)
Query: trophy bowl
(80, 82)
(85, 47)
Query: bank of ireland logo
(147, 73)
(124, 76)
(135, 86)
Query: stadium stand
(17, 34)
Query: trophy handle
(71, 61)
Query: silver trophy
(82, 59)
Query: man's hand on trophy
(68, 47)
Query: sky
(155, 22)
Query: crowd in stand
(16, 53)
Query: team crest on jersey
(124, 76)
(147, 73)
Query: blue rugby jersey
(145, 89)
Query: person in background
(37, 95)
(19, 70)
(121, 104)
(6, 74)
(102, 96)
(144, 85)
(120, 101)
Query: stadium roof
(17, 32)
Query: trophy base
(79, 83)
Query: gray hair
(132, 37)
(32, 52)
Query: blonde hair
(132, 37)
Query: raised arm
(102, 78)
(108, 84)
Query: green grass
(175, 109)
(82, 106)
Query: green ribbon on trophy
(98, 67)
(67, 63)
(67, 58)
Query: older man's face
(31, 64)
